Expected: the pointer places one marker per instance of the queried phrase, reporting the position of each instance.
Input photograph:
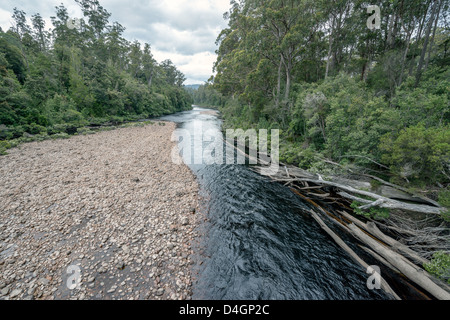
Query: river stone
(160, 292)
(120, 265)
(4, 291)
(15, 293)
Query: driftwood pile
(385, 249)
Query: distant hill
(193, 86)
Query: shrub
(440, 266)
(72, 116)
(84, 131)
(417, 153)
(444, 200)
(5, 134)
(4, 145)
(58, 128)
(34, 129)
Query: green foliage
(440, 266)
(375, 99)
(62, 80)
(4, 145)
(207, 96)
(444, 200)
(418, 153)
(373, 213)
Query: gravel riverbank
(109, 209)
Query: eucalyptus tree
(41, 36)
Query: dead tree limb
(373, 230)
(387, 203)
(384, 285)
(416, 274)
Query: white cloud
(197, 67)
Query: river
(259, 242)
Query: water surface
(260, 242)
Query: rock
(31, 291)
(101, 270)
(184, 221)
(160, 292)
(4, 291)
(43, 281)
(120, 265)
(112, 290)
(15, 293)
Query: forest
(54, 81)
(349, 89)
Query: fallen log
(299, 175)
(393, 190)
(379, 258)
(386, 203)
(373, 230)
(415, 274)
(384, 285)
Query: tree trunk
(414, 273)
(288, 67)
(419, 35)
(330, 49)
(373, 229)
(277, 98)
(344, 246)
(425, 45)
(433, 37)
(288, 84)
(405, 56)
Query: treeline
(377, 98)
(207, 96)
(80, 72)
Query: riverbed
(107, 216)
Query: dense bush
(418, 153)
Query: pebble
(15, 293)
(160, 292)
(4, 291)
(73, 209)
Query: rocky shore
(104, 216)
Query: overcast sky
(184, 31)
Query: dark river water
(259, 242)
